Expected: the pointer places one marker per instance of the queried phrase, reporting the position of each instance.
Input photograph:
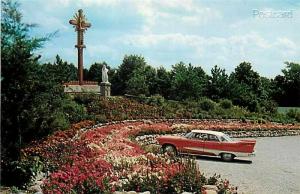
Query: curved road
(275, 169)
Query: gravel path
(275, 169)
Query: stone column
(105, 89)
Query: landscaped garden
(57, 142)
(104, 158)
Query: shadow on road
(216, 159)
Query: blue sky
(165, 32)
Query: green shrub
(253, 105)
(85, 99)
(73, 111)
(294, 114)
(243, 119)
(207, 104)
(226, 104)
(156, 100)
(261, 121)
(218, 111)
(213, 180)
(269, 106)
(19, 173)
(14, 190)
(59, 121)
(100, 118)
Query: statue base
(105, 89)
(87, 87)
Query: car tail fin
(249, 145)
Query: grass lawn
(286, 109)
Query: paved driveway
(274, 169)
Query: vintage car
(205, 142)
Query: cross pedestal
(74, 87)
(105, 89)
(80, 24)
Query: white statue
(104, 74)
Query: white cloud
(174, 13)
(287, 43)
(148, 40)
(63, 3)
(82, 3)
(88, 3)
(98, 50)
(226, 51)
(287, 47)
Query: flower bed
(105, 159)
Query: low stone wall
(255, 132)
(151, 139)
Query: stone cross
(80, 24)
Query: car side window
(212, 138)
(191, 135)
(204, 137)
(197, 136)
(223, 139)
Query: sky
(201, 32)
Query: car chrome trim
(218, 152)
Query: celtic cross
(80, 24)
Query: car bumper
(245, 154)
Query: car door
(194, 144)
(212, 145)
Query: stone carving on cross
(80, 24)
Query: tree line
(244, 86)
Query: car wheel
(227, 157)
(171, 150)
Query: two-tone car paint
(205, 142)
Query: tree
(19, 74)
(142, 81)
(217, 87)
(137, 84)
(32, 105)
(180, 81)
(267, 103)
(95, 72)
(242, 95)
(244, 74)
(245, 87)
(85, 73)
(286, 88)
(130, 64)
(116, 82)
(163, 82)
(60, 71)
(151, 79)
(187, 81)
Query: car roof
(217, 133)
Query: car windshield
(226, 138)
(189, 135)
